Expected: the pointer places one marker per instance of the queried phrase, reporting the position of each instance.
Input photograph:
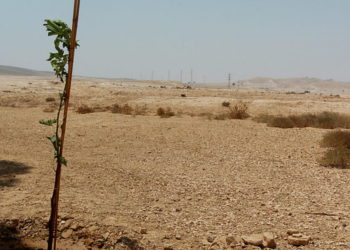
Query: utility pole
(191, 76)
(181, 76)
(229, 80)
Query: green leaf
(48, 122)
(55, 142)
(63, 160)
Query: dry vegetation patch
(84, 109)
(165, 113)
(338, 154)
(326, 120)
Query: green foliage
(59, 61)
(48, 122)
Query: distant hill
(17, 71)
(303, 84)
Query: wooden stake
(56, 192)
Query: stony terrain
(185, 182)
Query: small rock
(292, 231)
(220, 242)
(143, 230)
(254, 239)
(92, 229)
(67, 234)
(75, 226)
(106, 235)
(210, 239)
(298, 240)
(231, 240)
(178, 237)
(168, 248)
(65, 224)
(178, 209)
(269, 240)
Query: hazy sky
(130, 38)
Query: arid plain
(185, 182)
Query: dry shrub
(326, 120)
(165, 113)
(50, 99)
(98, 108)
(140, 110)
(281, 122)
(338, 154)
(336, 158)
(208, 115)
(84, 109)
(220, 117)
(238, 111)
(263, 118)
(49, 109)
(336, 139)
(226, 104)
(125, 109)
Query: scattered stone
(254, 240)
(298, 240)
(292, 231)
(168, 248)
(65, 224)
(178, 237)
(269, 240)
(231, 240)
(143, 230)
(106, 235)
(67, 234)
(92, 229)
(178, 209)
(75, 226)
(210, 239)
(219, 242)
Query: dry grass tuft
(238, 111)
(50, 99)
(84, 109)
(140, 110)
(49, 109)
(336, 158)
(165, 113)
(326, 120)
(125, 109)
(338, 154)
(336, 139)
(226, 104)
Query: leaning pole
(55, 196)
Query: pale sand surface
(181, 178)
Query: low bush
(140, 110)
(50, 99)
(336, 158)
(226, 104)
(220, 117)
(125, 109)
(336, 139)
(84, 109)
(165, 113)
(326, 120)
(338, 154)
(238, 111)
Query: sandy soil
(149, 182)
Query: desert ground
(184, 182)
